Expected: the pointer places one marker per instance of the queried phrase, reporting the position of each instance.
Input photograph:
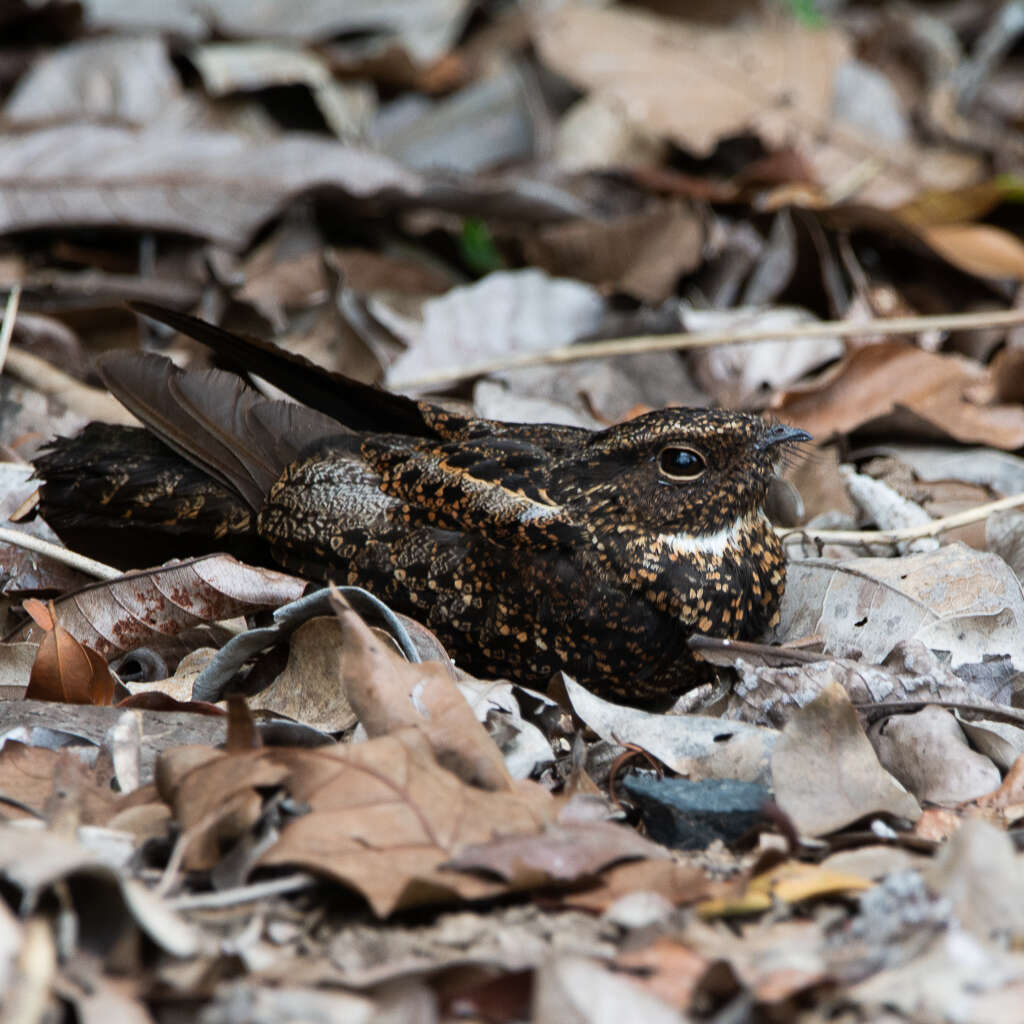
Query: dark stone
(689, 815)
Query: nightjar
(526, 548)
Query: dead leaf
(561, 853)
(911, 673)
(154, 607)
(789, 882)
(249, 66)
(568, 988)
(964, 603)
(219, 185)
(897, 388)
(825, 773)
(980, 249)
(642, 254)
(670, 970)
(679, 884)
(214, 797)
(505, 313)
(65, 670)
(388, 693)
(484, 125)
(384, 819)
(27, 782)
(928, 752)
(114, 79)
(979, 870)
(696, 746)
(310, 688)
(739, 374)
(743, 76)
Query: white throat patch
(704, 543)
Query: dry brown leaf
(310, 688)
(389, 693)
(27, 779)
(679, 884)
(214, 796)
(153, 607)
(743, 76)
(895, 387)
(64, 669)
(385, 817)
(825, 773)
(928, 752)
(979, 249)
(642, 254)
(670, 970)
(561, 853)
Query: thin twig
(244, 893)
(7, 327)
(673, 342)
(93, 403)
(19, 539)
(932, 529)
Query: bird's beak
(781, 433)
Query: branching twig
(905, 533)
(709, 339)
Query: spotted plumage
(526, 548)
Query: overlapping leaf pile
(439, 191)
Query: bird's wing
(491, 486)
(215, 420)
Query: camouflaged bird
(525, 548)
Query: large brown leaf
(384, 817)
(897, 387)
(154, 607)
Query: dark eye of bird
(680, 463)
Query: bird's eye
(680, 463)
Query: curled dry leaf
(64, 669)
(895, 388)
(697, 746)
(154, 607)
(979, 249)
(388, 693)
(308, 689)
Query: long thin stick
(932, 529)
(671, 342)
(19, 539)
(7, 327)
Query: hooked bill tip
(782, 433)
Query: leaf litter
(404, 191)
